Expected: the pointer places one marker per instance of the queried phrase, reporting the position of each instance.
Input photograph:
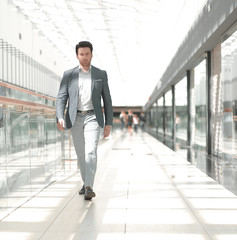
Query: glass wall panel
(3, 159)
(229, 95)
(152, 120)
(168, 113)
(50, 145)
(168, 119)
(154, 123)
(181, 118)
(225, 88)
(200, 119)
(1, 59)
(36, 125)
(160, 119)
(17, 155)
(31, 148)
(32, 151)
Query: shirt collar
(80, 69)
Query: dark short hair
(84, 44)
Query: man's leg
(92, 135)
(79, 143)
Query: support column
(209, 115)
(173, 118)
(189, 113)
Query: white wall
(12, 23)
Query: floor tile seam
(221, 227)
(223, 231)
(157, 209)
(214, 209)
(181, 195)
(154, 198)
(195, 214)
(66, 201)
(54, 219)
(125, 227)
(125, 220)
(126, 210)
(175, 231)
(115, 166)
(27, 200)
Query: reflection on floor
(144, 191)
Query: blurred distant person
(130, 122)
(142, 119)
(81, 90)
(135, 122)
(123, 119)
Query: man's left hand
(107, 130)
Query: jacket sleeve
(62, 97)
(108, 109)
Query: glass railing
(32, 151)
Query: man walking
(81, 90)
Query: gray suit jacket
(68, 96)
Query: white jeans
(85, 134)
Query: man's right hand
(61, 124)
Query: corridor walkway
(144, 191)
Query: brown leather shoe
(89, 194)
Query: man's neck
(84, 69)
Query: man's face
(84, 56)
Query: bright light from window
(136, 37)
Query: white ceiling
(134, 40)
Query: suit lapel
(92, 78)
(75, 78)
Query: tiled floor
(144, 191)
